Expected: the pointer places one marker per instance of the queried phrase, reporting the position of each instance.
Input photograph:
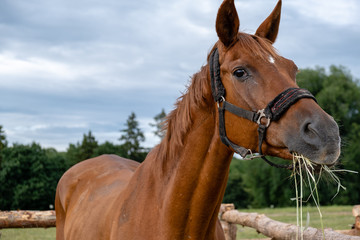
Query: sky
(70, 66)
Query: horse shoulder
(98, 175)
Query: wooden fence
(229, 219)
(27, 219)
(280, 231)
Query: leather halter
(272, 112)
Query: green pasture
(28, 234)
(335, 217)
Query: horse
(244, 93)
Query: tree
(337, 93)
(80, 152)
(266, 185)
(73, 154)
(109, 148)
(28, 177)
(235, 188)
(3, 143)
(88, 146)
(159, 124)
(132, 137)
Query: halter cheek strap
(273, 111)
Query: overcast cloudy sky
(69, 66)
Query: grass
(335, 217)
(28, 234)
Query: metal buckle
(262, 115)
(220, 101)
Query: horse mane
(178, 122)
(197, 95)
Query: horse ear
(270, 27)
(227, 23)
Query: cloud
(67, 67)
(23, 127)
(10, 65)
(334, 12)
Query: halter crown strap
(272, 112)
(217, 87)
(218, 92)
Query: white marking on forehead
(271, 59)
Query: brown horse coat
(177, 191)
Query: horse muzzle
(317, 139)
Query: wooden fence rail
(27, 219)
(274, 229)
(229, 218)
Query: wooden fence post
(356, 214)
(229, 228)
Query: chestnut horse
(177, 191)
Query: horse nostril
(310, 131)
(317, 138)
(310, 134)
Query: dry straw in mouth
(304, 169)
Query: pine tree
(132, 137)
(3, 142)
(88, 146)
(159, 124)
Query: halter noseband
(272, 112)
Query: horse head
(253, 75)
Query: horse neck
(195, 173)
(199, 181)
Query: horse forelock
(257, 46)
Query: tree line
(29, 173)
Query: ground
(342, 221)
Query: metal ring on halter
(222, 99)
(251, 155)
(262, 115)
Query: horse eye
(240, 74)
